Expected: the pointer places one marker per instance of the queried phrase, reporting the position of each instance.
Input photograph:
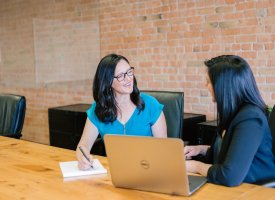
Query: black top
(246, 150)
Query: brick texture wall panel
(165, 40)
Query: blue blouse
(139, 123)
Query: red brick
(246, 38)
(245, 5)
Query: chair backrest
(173, 110)
(270, 182)
(271, 122)
(12, 114)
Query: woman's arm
(159, 129)
(246, 138)
(87, 140)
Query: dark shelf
(66, 124)
(206, 132)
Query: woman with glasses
(119, 107)
(242, 151)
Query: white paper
(70, 169)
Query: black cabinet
(66, 125)
(189, 132)
(206, 131)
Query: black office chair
(12, 115)
(271, 122)
(173, 110)
(270, 182)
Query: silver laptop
(150, 164)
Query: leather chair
(12, 115)
(270, 182)
(271, 122)
(173, 110)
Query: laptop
(150, 164)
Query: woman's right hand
(190, 151)
(83, 163)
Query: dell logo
(144, 164)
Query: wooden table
(31, 171)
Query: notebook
(70, 169)
(150, 164)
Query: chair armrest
(16, 136)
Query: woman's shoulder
(91, 110)
(148, 98)
(250, 111)
(92, 107)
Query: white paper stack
(70, 169)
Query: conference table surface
(31, 171)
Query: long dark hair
(106, 105)
(234, 85)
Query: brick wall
(166, 40)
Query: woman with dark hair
(119, 108)
(242, 151)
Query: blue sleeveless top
(139, 123)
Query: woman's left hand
(197, 167)
(191, 166)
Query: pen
(87, 158)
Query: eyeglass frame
(124, 74)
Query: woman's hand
(191, 166)
(83, 163)
(191, 151)
(197, 167)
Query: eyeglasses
(122, 76)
